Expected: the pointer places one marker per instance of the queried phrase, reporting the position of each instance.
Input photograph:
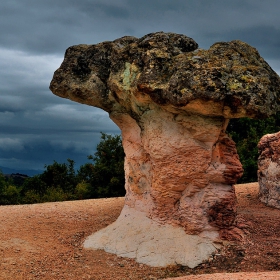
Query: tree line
(246, 133)
(103, 175)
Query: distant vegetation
(246, 133)
(103, 175)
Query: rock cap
(129, 75)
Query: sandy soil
(44, 241)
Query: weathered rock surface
(269, 169)
(172, 102)
(136, 236)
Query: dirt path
(44, 241)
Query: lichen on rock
(172, 102)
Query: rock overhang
(229, 80)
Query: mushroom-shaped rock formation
(269, 169)
(172, 102)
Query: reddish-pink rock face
(269, 169)
(172, 102)
(178, 168)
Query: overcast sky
(37, 127)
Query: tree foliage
(9, 194)
(105, 175)
(102, 176)
(246, 133)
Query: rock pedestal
(179, 174)
(172, 102)
(269, 169)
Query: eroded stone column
(269, 169)
(172, 102)
(179, 170)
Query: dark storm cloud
(266, 39)
(54, 133)
(37, 127)
(41, 149)
(51, 26)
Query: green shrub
(82, 190)
(10, 195)
(53, 194)
(31, 196)
(35, 184)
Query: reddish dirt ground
(44, 241)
